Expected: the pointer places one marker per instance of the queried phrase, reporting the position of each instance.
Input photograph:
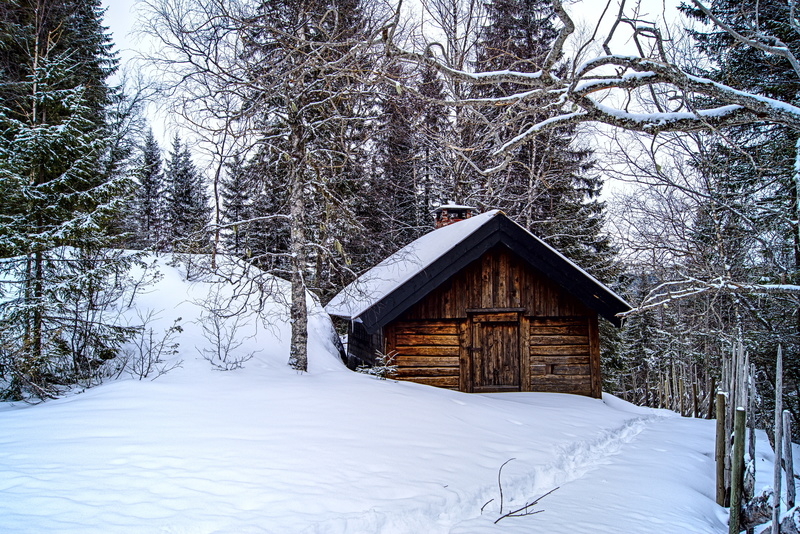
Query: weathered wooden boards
(426, 352)
(561, 359)
(498, 325)
(495, 350)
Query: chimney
(450, 213)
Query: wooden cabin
(480, 305)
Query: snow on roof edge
(391, 273)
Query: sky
(121, 19)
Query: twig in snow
(500, 485)
(523, 511)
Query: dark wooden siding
(560, 355)
(436, 341)
(361, 346)
(426, 352)
(499, 279)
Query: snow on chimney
(450, 213)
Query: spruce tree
(235, 192)
(187, 204)
(148, 206)
(549, 186)
(434, 168)
(392, 206)
(58, 198)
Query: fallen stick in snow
(523, 511)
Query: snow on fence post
(776, 482)
(719, 453)
(737, 470)
(788, 458)
(750, 467)
(681, 394)
(751, 413)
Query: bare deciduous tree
(277, 81)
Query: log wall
(436, 341)
(426, 352)
(561, 356)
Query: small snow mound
(624, 406)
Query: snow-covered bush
(145, 356)
(383, 368)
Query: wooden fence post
(776, 483)
(750, 467)
(737, 470)
(711, 391)
(730, 384)
(681, 394)
(788, 459)
(721, 444)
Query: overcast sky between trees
(124, 20)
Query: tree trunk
(298, 352)
(796, 230)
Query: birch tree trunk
(298, 351)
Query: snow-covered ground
(265, 449)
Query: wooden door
(496, 352)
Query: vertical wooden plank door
(495, 355)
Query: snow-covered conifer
(148, 205)
(235, 191)
(59, 198)
(186, 204)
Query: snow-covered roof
(371, 287)
(387, 289)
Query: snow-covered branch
(600, 89)
(672, 291)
